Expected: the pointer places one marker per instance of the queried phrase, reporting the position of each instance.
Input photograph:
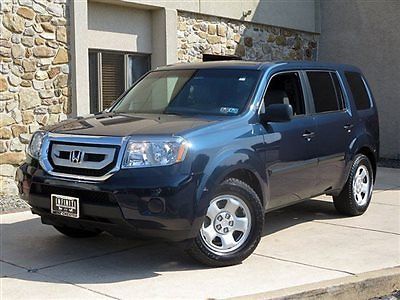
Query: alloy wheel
(227, 224)
(362, 185)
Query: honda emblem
(76, 156)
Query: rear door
(334, 127)
(291, 148)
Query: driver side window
(286, 88)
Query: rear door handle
(308, 135)
(348, 127)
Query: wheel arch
(368, 152)
(242, 165)
(248, 177)
(363, 143)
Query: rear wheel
(356, 195)
(232, 226)
(77, 233)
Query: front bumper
(120, 204)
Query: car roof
(257, 65)
(229, 64)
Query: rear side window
(358, 90)
(323, 91)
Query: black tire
(76, 232)
(202, 253)
(345, 203)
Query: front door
(290, 146)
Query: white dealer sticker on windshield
(229, 110)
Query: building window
(111, 73)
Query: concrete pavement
(302, 244)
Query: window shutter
(113, 84)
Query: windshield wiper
(116, 114)
(172, 113)
(166, 111)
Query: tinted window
(358, 89)
(286, 88)
(204, 91)
(323, 91)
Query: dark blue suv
(200, 152)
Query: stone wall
(34, 76)
(201, 34)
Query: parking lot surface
(304, 243)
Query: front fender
(226, 162)
(217, 169)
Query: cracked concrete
(302, 244)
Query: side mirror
(277, 113)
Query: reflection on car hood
(110, 124)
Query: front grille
(90, 157)
(86, 197)
(82, 159)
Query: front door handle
(348, 127)
(308, 135)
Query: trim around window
(371, 102)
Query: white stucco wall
(113, 27)
(296, 14)
(366, 34)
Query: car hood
(112, 124)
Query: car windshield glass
(202, 91)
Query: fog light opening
(155, 205)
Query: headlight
(154, 152)
(36, 144)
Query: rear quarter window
(358, 90)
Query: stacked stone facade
(34, 76)
(201, 34)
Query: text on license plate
(65, 206)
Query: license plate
(65, 206)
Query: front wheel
(356, 195)
(232, 226)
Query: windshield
(202, 91)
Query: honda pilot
(200, 152)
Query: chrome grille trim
(57, 148)
(87, 141)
